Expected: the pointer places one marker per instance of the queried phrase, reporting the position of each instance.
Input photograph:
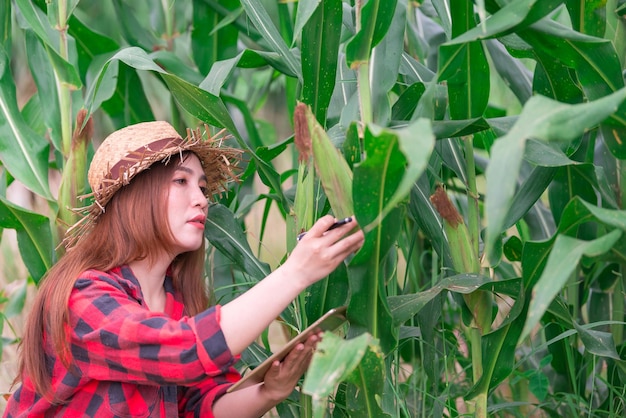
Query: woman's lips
(198, 222)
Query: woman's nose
(199, 198)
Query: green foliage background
(514, 108)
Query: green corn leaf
(594, 59)
(64, 71)
(49, 70)
(222, 70)
(589, 17)
(515, 74)
(105, 69)
(132, 28)
(320, 46)
(552, 79)
(405, 307)
(562, 261)
(43, 76)
(15, 304)
(201, 104)
(499, 346)
(37, 21)
(368, 381)
(598, 343)
(444, 129)
(376, 17)
(405, 105)
(614, 29)
(358, 360)
(516, 15)
(451, 152)
(128, 103)
(385, 64)
(576, 213)
(89, 44)
(415, 144)
(5, 24)
(333, 362)
(569, 182)
(597, 67)
(328, 293)
(219, 74)
(443, 11)
(225, 233)
(174, 64)
(33, 115)
(208, 44)
(381, 182)
(528, 194)
(261, 20)
(464, 67)
(306, 9)
(22, 151)
(34, 237)
(542, 119)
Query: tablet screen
(332, 321)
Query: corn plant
(480, 145)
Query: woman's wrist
(273, 396)
(294, 276)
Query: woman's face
(187, 204)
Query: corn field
(480, 144)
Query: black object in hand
(333, 226)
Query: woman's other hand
(281, 379)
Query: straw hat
(130, 150)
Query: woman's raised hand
(317, 254)
(320, 251)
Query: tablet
(332, 321)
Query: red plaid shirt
(129, 361)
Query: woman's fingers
(321, 226)
(350, 244)
(301, 355)
(321, 250)
(330, 228)
(283, 376)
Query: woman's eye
(180, 181)
(204, 190)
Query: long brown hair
(133, 227)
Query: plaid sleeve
(197, 400)
(115, 338)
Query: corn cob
(73, 182)
(330, 165)
(463, 258)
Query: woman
(119, 326)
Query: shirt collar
(127, 279)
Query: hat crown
(124, 152)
